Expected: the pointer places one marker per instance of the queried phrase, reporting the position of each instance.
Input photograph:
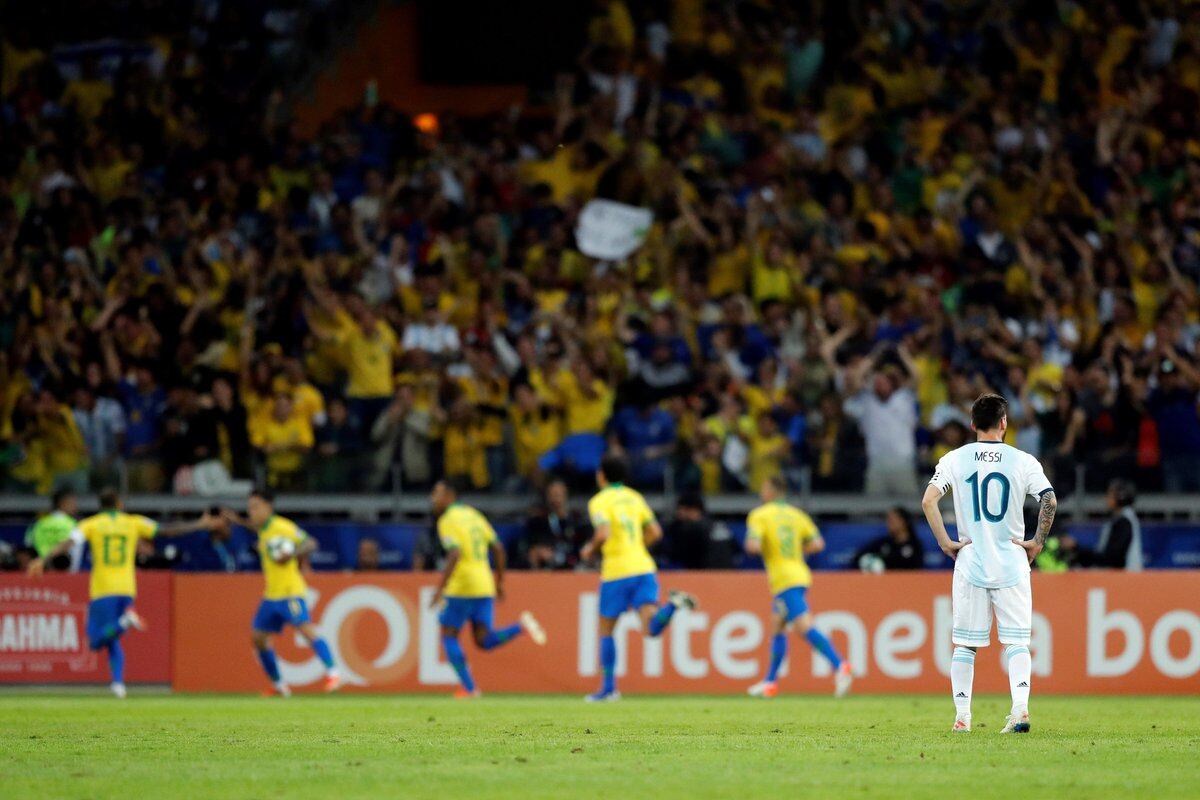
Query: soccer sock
(779, 648)
(661, 619)
(116, 661)
(824, 646)
(496, 638)
(321, 648)
(1020, 669)
(454, 654)
(608, 663)
(962, 675)
(269, 664)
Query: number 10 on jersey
(980, 495)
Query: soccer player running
(624, 526)
(469, 584)
(284, 591)
(991, 557)
(783, 535)
(113, 537)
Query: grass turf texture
(555, 747)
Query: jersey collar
(267, 524)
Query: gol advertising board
(1093, 632)
(43, 631)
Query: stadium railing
(408, 505)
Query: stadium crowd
(858, 227)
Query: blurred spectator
(101, 423)
(403, 435)
(899, 549)
(836, 448)
(1120, 544)
(1175, 407)
(53, 528)
(223, 427)
(338, 450)
(145, 404)
(886, 412)
(646, 433)
(554, 533)
(693, 540)
(432, 333)
(536, 427)
(368, 555)
(284, 438)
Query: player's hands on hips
(1031, 547)
(952, 547)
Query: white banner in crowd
(610, 230)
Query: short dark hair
(987, 411)
(109, 498)
(691, 499)
(59, 497)
(456, 484)
(264, 494)
(1125, 492)
(614, 469)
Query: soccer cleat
(462, 694)
(118, 690)
(603, 697)
(842, 680)
(764, 689)
(1016, 723)
(278, 690)
(333, 682)
(132, 619)
(962, 724)
(533, 628)
(682, 600)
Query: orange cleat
(463, 694)
(333, 682)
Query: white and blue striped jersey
(990, 481)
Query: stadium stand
(858, 226)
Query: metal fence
(410, 505)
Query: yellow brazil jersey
(281, 580)
(113, 537)
(464, 529)
(783, 530)
(626, 514)
(368, 360)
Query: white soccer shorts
(973, 607)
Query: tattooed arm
(1048, 507)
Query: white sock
(962, 676)
(1020, 669)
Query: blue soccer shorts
(272, 615)
(628, 594)
(792, 603)
(461, 610)
(104, 612)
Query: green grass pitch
(193, 747)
